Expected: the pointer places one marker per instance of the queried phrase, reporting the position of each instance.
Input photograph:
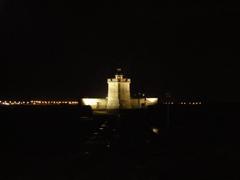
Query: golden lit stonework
(119, 96)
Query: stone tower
(119, 92)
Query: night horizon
(54, 50)
(77, 86)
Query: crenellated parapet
(119, 80)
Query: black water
(194, 142)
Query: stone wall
(124, 95)
(119, 96)
(95, 103)
(102, 104)
(143, 102)
(119, 93)
(113, 96)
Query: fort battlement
(120, 80)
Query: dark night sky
(67, 49)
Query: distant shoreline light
(85, 102)
(37, 103)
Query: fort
(119, 96)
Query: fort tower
(119, 92)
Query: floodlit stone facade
(119, 96)
(119, 93)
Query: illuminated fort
(119, 96)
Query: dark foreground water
(195, 142)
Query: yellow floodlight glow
(152, 100)
(156, 130)
(89, 102)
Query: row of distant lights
(71, 103)
(11, 103)
(184, 103)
